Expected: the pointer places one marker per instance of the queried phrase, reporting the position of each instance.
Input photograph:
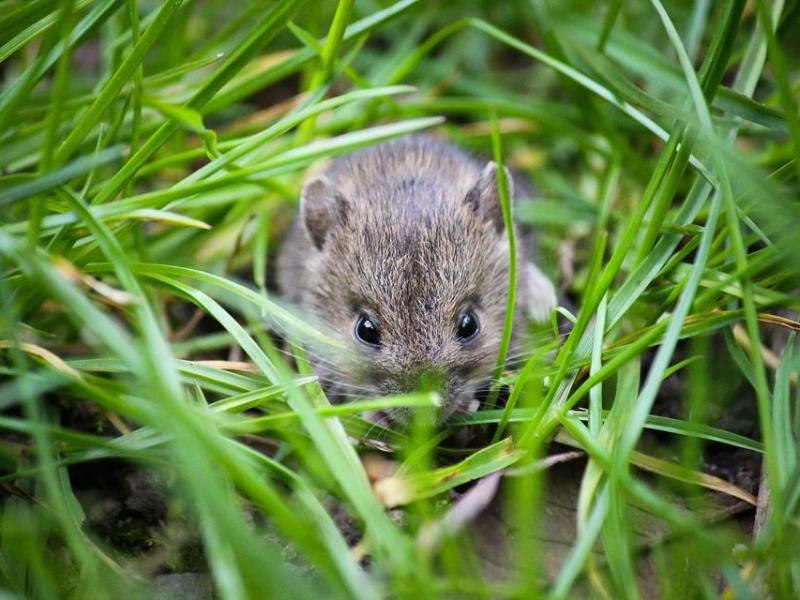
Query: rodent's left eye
(367, 331)
(468, 326)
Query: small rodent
(400, 249)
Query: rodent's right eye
(468, 326)
(367, 331)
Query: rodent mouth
(461, 395)
(465, 402)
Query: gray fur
(408, 232)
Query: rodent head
(413, 277)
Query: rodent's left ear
(321, 207)
(539, 296)
(484, 197)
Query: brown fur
(411, 233)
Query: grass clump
(151, 155)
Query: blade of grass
(508, 224)
(322, 73)
(399, 490)
(111, 90)
(261, 34)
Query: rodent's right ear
(321, 207)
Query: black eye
(367, 331)
(468, 326)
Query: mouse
(400, 250)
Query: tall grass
(151, 154)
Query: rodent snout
(421, 379)
(457, 393)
